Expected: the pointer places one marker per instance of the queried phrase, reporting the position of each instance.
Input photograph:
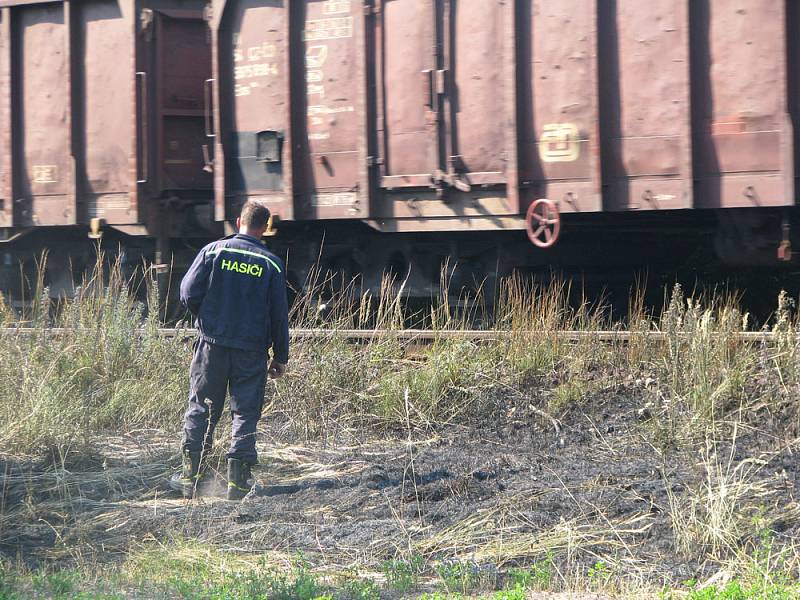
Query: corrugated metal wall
(102, 106)
(476, 107)
(411, 114)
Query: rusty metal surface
(442, 113)
(447, 100)
(253, 156)
(409, 106)
(645, 110)
(436, 224)
(94, 129)
(183, 63)
(559, 156)
(793, 82)
(743, 133)
(107, 135)
(6, 197)
(330, 177)
(477, 91)
(70, 134)
(481, 203)
(41, 112)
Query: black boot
(239, 479)
(187, 480)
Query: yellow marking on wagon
(559, 143)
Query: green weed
(516, 593)
(61, 584)
(401, 575)
(538, 576)
(599, 575)
(354, 588)
(735, 590)
(464, 578)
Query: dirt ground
(495, 494)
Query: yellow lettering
(254, 270)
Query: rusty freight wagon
(402, 132)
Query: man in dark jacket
(236, 290)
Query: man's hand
(276, 370)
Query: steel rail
(431, 335)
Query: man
(236, 290)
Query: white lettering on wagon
(336, 7)
(335, 199)
(335, 28)
(44, 173)
(317, 114)
(321, 117)
(254, 62)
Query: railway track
(425, 336)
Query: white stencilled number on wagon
(336, 7)
(316, 56)
(262, 51)
(256, 66)
(328, 29)
(257, 70)
(317, 114)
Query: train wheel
(544, 223)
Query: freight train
(400, 134)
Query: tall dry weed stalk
(107, 367)
(703, 359)
(111, 369)
(715, 517)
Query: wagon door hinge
(456, 173)
(785, 247)
(459, 181)
(372, 7)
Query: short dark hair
(254, 214)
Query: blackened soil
(501, 493)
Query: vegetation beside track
(701, 398)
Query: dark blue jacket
(236, 289)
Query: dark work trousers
(216, 369)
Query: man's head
(253, 220)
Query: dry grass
(696, 390)
(503, 535)
(112, 370)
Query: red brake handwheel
(543, 223)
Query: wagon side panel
(41, 114)
(329, 112)
(645, 107)
(252, 83)
(558, 129)
(106, 110)
(743, 133)
(6, 196)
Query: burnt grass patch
(594, 463)
(600, 486)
